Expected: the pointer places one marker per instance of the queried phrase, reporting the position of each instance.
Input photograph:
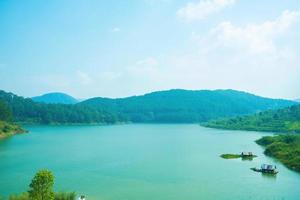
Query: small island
(243, 155)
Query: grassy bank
(285, 148)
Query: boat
(246, 154)
(266, 169)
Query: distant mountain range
(55, 97)
(172, 106)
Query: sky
(90, 48)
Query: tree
(5, 112)
(41, 186)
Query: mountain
(186, 106)
(55, 97)
(172, 106)
(25, 110)
(282, 120)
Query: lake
(144, 162)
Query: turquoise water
(143, 162)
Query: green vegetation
(41, 188)
(285, 148)
(283, 120)
(57, 196)
(230, 156)
(5, 112)
(234, 156)
(7, 128)
(185, 106)
(173, 106)
(65, 196)
(27, 111)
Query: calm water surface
(143, 162)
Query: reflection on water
(247, 158)
(269, 176)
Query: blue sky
(122, 48)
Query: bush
(65, 196)
(23, 196)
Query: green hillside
(25, 110)
(173, 106)
(186, 106)
(282, 120)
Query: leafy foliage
(283, 120)
(42, 186)
(286, 148)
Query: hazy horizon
(119, 49)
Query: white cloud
(115, 29)
(202, 9)
(246, 58)
(83, 77)
(254, 38)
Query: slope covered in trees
(27, 111)
(173, 106)
(186, 106)
(282, 120)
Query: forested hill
(173, 106)
(282, 120)
(28, 111)
(186, 106)
(55, 97)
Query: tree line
(27, 111)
